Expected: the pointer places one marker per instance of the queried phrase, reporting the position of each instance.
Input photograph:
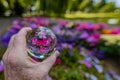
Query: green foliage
(37, 5)
(18, 8)
(67, 73)
(57, 7)
(73, 5)
(2, 76)
(2, 9)
(112, 50)
(72, 57)
(70, 69)
(2, 51)
(86, 5)
(109, 7)
(100, 4)
(10, 3)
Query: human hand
(19, 66)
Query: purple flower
(99, 68)
(1, 66)
(90, 52)
(88, 64)
(101, 54)
(64, 45)
(56, 29)
(84, 35)
(70, 46)
(16, 27)
(114, 75)
(6, 38)
(33, 25)
(93, 77)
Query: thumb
(49, 62)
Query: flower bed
(81, 44)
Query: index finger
(20, 38)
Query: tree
(86, 6)
(2, 9)
(109, 7)
(18, 8)
(73, 5)
(57, 7)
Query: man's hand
(18, 65)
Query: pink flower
(102, 25)
(115, 31)
(89, 26)
(70, 46)
(94, 38)
(45, 42)
(63, 22)
(42, 50)
(58, 61)
(39, 42)
(64, 45)
(85, 25)
(79, 27)
(88, 64)
(34, 41)
(29, 19)
(97, 27)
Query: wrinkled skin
(19, 66)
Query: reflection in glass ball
(41, 42)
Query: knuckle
(11, 59)
(8, 59)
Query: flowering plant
(81, 45)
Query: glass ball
(41, 42)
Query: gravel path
(4, 24)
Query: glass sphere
(41, 42)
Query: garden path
(4, 24)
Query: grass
(92, 15)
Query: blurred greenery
(58, 7)
(71, 69)
(71, 9)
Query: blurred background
(88, 34)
